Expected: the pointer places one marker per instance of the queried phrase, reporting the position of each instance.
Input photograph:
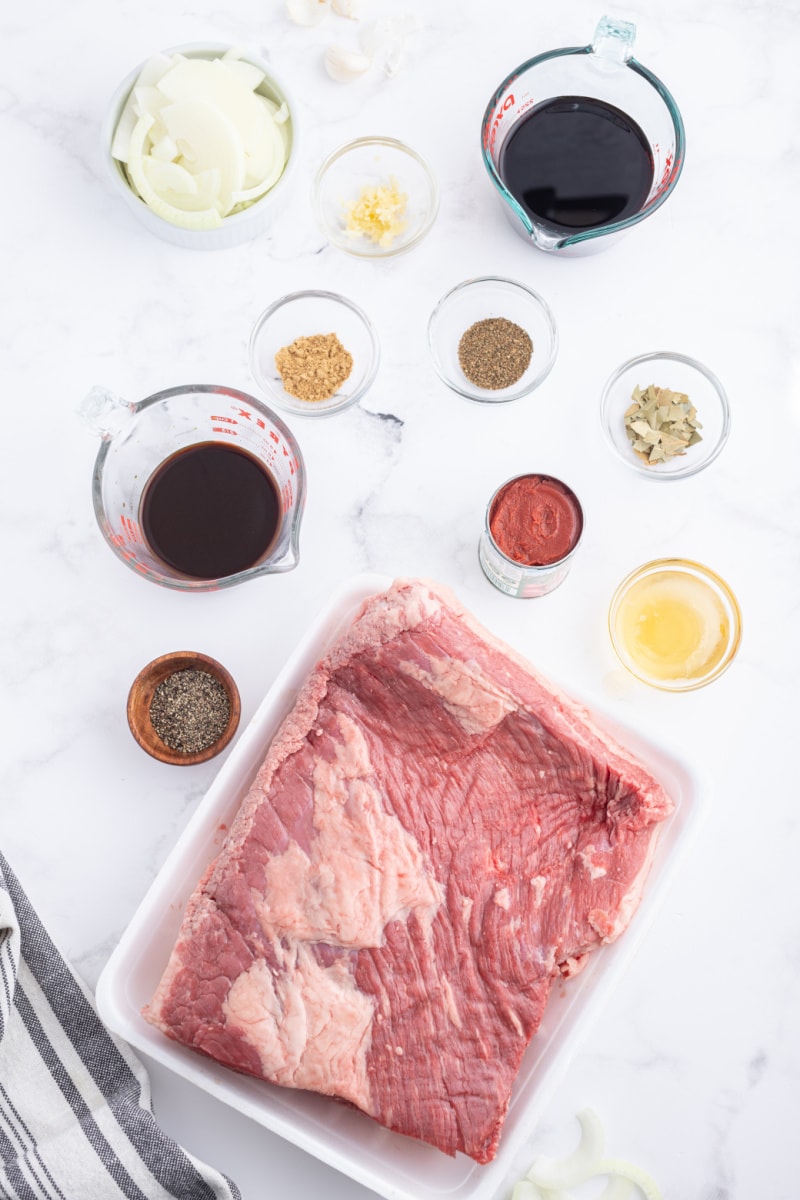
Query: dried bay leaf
(661, 423)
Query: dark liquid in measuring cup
(575, 163)
(210, 511)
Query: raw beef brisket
(435, 835)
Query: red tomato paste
(535, 520)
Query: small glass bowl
(679, 373)
(478, 299)
(704, 591)
(374, 162)
(303, 314)
(141, 695)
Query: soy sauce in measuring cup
(577, 162)
(210, 510)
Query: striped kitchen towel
(75, 1116)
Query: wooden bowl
(141, 695)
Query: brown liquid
(575, 163)
(210, 511)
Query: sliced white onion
(247, 195)
(164, 149)
(623, 1169)
(169, 176)
(617, 1188)
(249, 76)
(574, 1168)
(147, 99)
(206, 139)
(203, 120)
(525, 1190)
(204, 219)
(126, 124)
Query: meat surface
(435, 836)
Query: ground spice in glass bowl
(495, 353)
(314, 353)
(315, 367)
(492, 339)
(183, 708)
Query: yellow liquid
(672, 626)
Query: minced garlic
(378, 213)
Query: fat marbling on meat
(436, 835)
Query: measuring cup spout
(104, 412)
(613, 40)
(546, 239)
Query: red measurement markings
(246, 415)
(222, 427)
(666, 175)
(492, 125)
(130, 533)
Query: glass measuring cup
(603, 71)
(138, 438)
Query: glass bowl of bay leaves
(666, 415)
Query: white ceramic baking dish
(395, 1167)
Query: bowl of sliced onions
(201, 142)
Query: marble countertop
(694, 1062)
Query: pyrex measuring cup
(137, 439)
(603, 71)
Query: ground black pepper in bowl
(183, 708)
(492, 340)
(190, 711)
(494, 353)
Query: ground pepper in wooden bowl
(183, 708)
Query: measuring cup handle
(104, 412)
(613, 39)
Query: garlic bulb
(347, 8)
(306, 12)
(345, 65)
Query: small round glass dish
(313, 315)
(677, 372)
(375, 197)
(675, 624)
(193, 704)
(491, 299)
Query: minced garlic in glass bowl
(375, 197)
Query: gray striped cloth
(75, 1116)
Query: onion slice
(622, 1169)
(617, 1188)
(525, 1190)
(204, 219)
(574, 1168)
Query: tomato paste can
(533, 527)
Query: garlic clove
(345, 65)
(306, 12)
(387, 40)
(347, 8)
